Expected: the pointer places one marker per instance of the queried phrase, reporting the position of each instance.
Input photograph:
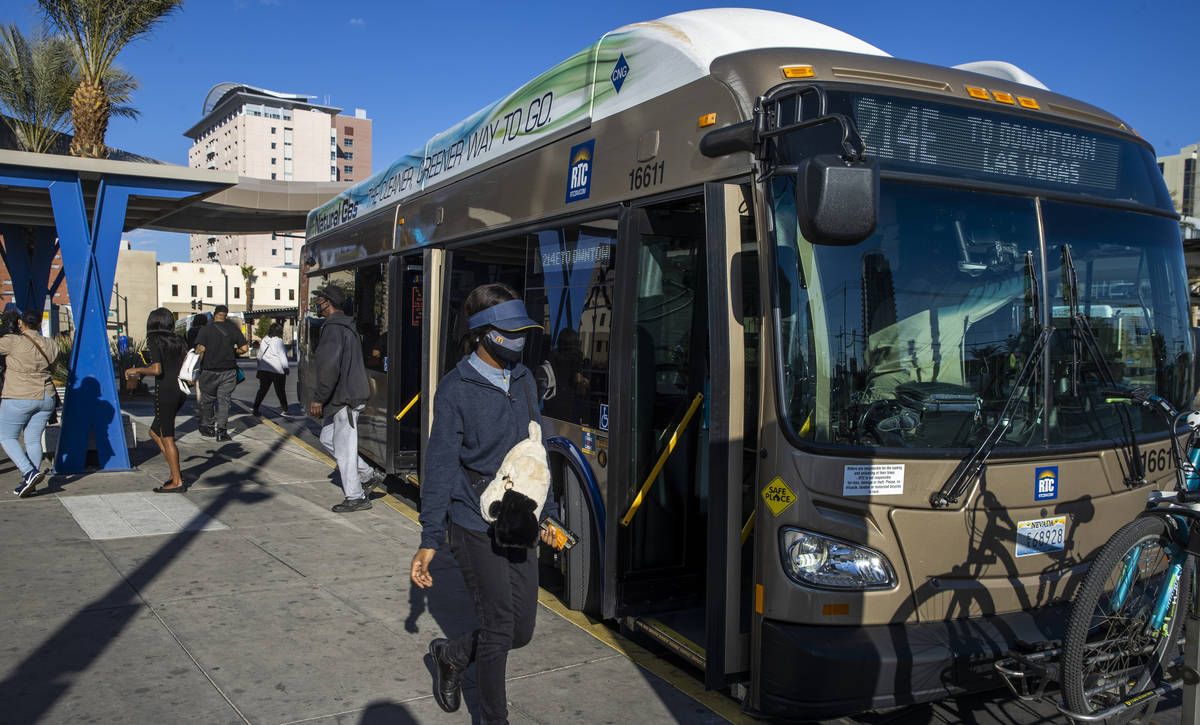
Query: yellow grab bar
(748, 527)
(408, 407)
(662, 459)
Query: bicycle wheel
(1108, 652)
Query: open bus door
(434, 266)
(404, 360)
(675, 560)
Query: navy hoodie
(475, 424)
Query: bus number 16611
(642, 177)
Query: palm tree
(37, 77)
(248, 275)
(97, 31)
(35, 87)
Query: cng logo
(1046, 483)
(579, 171)
(620, 73)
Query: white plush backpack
(512, 501)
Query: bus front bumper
(812, 671)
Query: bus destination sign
(947, 137)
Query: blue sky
(419, 67)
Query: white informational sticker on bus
(1041, 536)
(884, 479)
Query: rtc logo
(579, 171)
(1046, 483)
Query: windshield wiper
(1083, 338)
(972, 466)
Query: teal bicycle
(1122, 647)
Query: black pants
(503, 585)
(265, 380)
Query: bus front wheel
(579, 566)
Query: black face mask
(504, 346)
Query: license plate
(1041, 536)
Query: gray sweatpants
(216, 390)
(339, 435)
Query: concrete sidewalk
(247, 600)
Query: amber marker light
(1028, 102)
(1003, 97)
(708, 119)
(835, 610)
(797, 71)
(980, 93)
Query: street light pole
(213, 257)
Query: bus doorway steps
(680, 632)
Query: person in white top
(272, 368)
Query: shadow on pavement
(386, 713)
(68, 652)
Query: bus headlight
(829, 563)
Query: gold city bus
(821, 402)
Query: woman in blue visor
(482, 408)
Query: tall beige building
(269, 135)
(1183, 181)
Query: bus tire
(580, 565)
(1092, 620)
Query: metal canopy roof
(245, 205)
(31, 206)
(253, 205)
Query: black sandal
(177, 489)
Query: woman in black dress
(162, 358)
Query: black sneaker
(351, 505)
(29, 483)
(447, 680)
(207, 431)
(223, 435)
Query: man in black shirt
(218, 346)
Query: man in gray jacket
(340, 392)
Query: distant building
(135, 292)
(1183, 183)
(187, 287)
(269, 135)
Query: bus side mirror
(729, 140)
(837, 201)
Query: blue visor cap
(508, 316)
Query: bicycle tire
(1118, 637)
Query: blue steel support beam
(89, 255)
(29, 269)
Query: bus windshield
(914, 337)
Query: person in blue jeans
(28, 398)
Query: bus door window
(407, 365)
(371, 313)
(669, 369)
(570, 290)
